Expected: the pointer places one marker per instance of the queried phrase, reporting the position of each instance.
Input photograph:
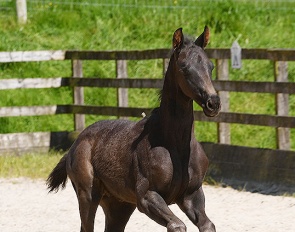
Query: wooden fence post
(282, 105)
(78, 95)
(222, 73)
(21, 10)
(121, 72)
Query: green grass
(28, 165)
(51, 26)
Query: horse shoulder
(154, 170)
(161, 168)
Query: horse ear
(177, 38)
(203, 39)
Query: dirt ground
(25, 206)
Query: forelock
(188, 40)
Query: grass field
(130, 25)
(29, 165)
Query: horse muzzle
(212, 106)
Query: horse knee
(176, 227)
(208, 227)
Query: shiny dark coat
(152, 163)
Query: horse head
(194, 71)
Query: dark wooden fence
(226, 160)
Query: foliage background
(135, 25)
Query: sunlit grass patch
(28, 165)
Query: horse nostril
(212, 106)
(213, 103)
(209, 105)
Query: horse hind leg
(117, 213)
(88, 188)
(88, 199)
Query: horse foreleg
(193, 205)
(154, 206)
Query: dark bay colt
(121, 165)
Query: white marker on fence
(236, 55)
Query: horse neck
(176, 109)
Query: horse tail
(58, 176)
